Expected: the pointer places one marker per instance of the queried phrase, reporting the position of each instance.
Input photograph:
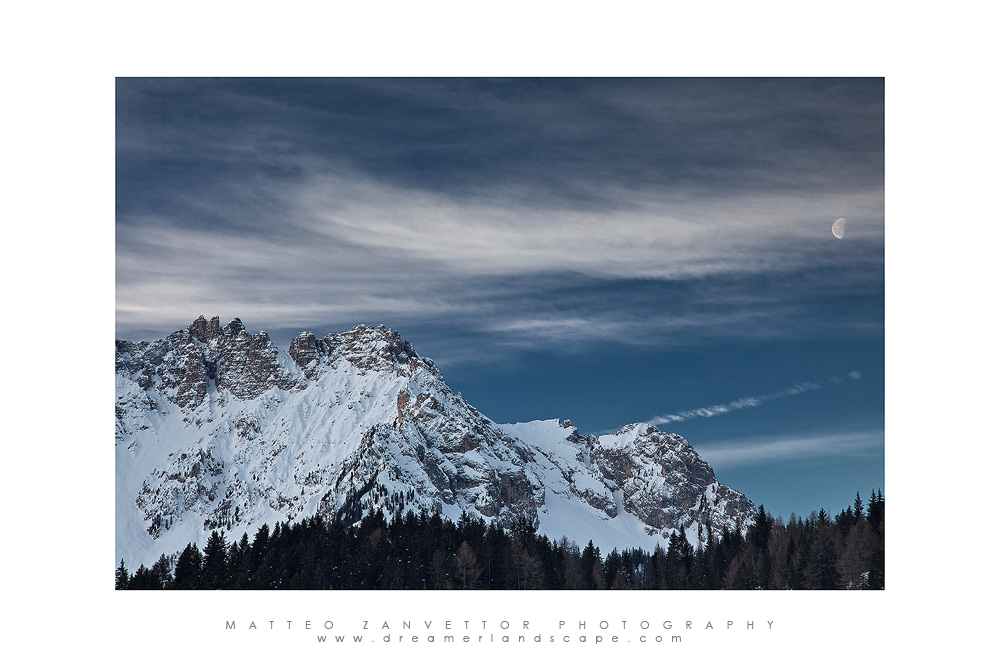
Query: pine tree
(163, 572)
(238, 563)
(121, 577)
(876, 519)
(612, 565)
(496, 553)
(875, 509)
(760, 530)
(590, 560)
(214, 568)
(187, 572)
(142, 580)
(859, 507)
(678, 562)
(653, 572)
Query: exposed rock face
(182, 365)
(305, 354)
(220, 428)
(174, 367)
(664, 482)
(205, 331)
(248, 365)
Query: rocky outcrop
(367, 348)
(247, 365)
(183, 365)
(664, 482)
(205, 331)
(304, 352)
(174, 366)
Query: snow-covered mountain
(220, 429)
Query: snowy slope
(220, 429)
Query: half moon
(838, 227)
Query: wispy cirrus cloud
(643, 234)
(745, 403)
(731, 453)
(344, 249)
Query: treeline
(430, 552)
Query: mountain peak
(207, 330)
(234, 328)
(203, 330)
(365, 346)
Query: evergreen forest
(427, 551)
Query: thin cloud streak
(743, 403)
(733, 453)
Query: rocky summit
(217, 428)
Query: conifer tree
(187, 572)
(142, 580)
(163, 572)
(214, 563)
(590, 559)
(121, 577)
(859, 507)
(876, 519)
(238, 562)
(612, 565)
(760, 530)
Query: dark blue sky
(603, 250)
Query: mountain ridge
(217, 428)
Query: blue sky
(602, 250)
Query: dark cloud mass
(546, 139)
